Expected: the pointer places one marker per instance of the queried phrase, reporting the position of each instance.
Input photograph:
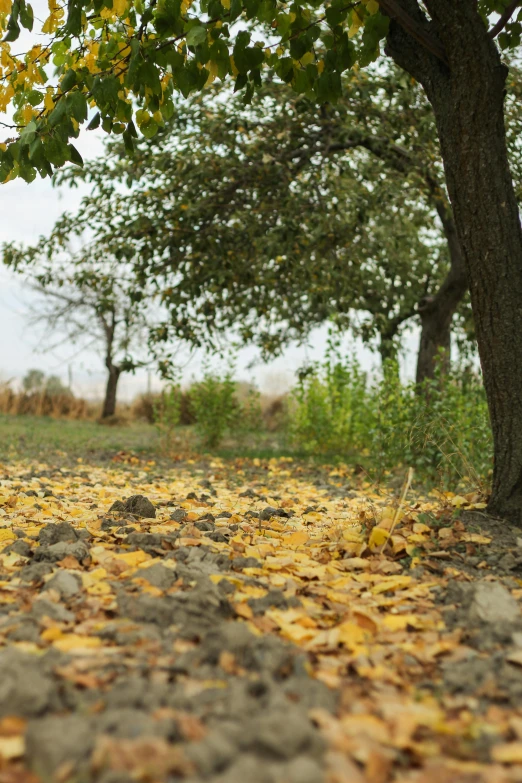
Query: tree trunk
(109, 404)
(436, 314)
(467, 96)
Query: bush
(215, 406)
(167, 414)
(441, 429)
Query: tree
(89, 304)
(342, 207)
(265, 225)
(451, 49)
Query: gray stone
(34, 572)
(66, 583)
(57, 531)
(179, 515)
(213, 754)
(303, 770)
(140, 506)
(248, 769)
(492, 603)
(282, 735)
(44, 608)
(126, 723)
(24, 690)
(60, 550)
(56, 740)
(159, 576)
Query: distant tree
(89, 305)
(273, 218)
(33, 380)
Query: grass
(39, 437)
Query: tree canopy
(118, 63)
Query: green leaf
(68, 80)
(95, 122)
(26, 16)
(196, 35)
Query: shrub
(167, 414)
(441, 429)
(215, 406)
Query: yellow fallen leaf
(296, 539)
(475, 538)
(12, 747)
(390, 583)
(507, 753)
(399, 622)
(378, 538)
(351, 634)
(133, 558)
(71, 642)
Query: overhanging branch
(504, 19)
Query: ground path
(239, 623)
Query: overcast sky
(29, 210)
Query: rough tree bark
(109, 403)
(436, 312)
(464, 80)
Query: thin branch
(395, 11)
(504, 19)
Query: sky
(30, 210)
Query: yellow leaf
(507, 753)
(475, 538)
(399, 622)
(356, 25)
(11, 747)
(372, 6)
(378, 538)
(133, 558)
(391, 583)
(351, 634)
(71, 642)
(295, 539)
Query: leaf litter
(253, 621)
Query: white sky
(29, 210)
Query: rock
(56, 740)
(282, 735)
(159, 576)
(56, 531)
(59, 551)
(66, 583)
(44, 608)
(126, 723)
(179, 515)
(117, 507)
(303, 770)
(247, 768)
(34, 572)
(212, 754)
(492, 603)
(20, 548)
(269, 511)
(140, 506)
(24, 690)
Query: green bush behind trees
(442, 430)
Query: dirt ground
(253, 622)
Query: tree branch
(395, 11)
(504, 19)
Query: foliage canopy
(118, 63)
